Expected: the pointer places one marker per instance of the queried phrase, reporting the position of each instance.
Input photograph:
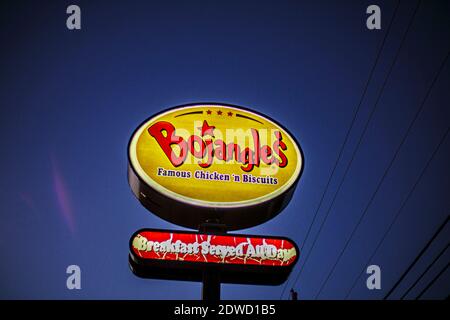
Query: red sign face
(195, 247)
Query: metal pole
(211, 285)
(211, 275)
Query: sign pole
(211, 285)
(211, 275)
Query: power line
(425, 271)
(360, 140)
(417, 258)
(369, 79)
(385, 173)
(400, 210)
(433, 281)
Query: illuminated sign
(206, 161)
(184, 255)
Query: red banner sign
(209, 248)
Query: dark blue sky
(71, 99)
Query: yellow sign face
(215, 155)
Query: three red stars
(219, 112)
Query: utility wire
(385, 173)
(425, 271)
(369, 79)
(359, 141)
(399, 211)
(432, 281)
(417, 258)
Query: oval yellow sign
(215, 158)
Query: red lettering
(247, 159)
(277, 145)
(208, 149)
(266, 153)
(210, 154)
(166, 142)
(191, 143)
(220, 151)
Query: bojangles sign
(209, 161)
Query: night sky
(70, 101)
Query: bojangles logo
(214, 154)
(207, 148)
